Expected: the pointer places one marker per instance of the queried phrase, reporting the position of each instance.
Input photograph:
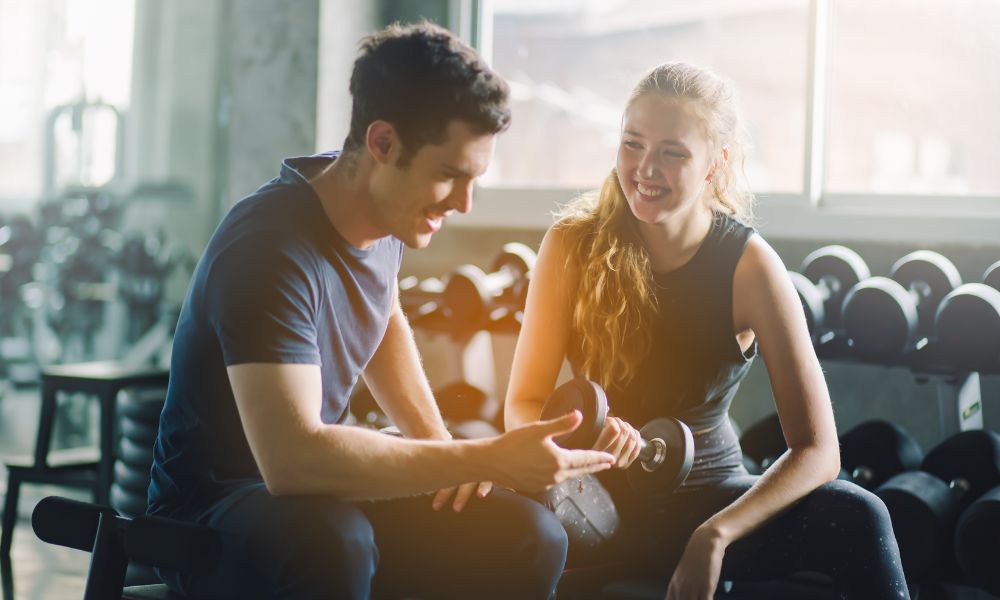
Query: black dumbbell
(885, 318)
(976, 542)
(824, 278)
(967, 324)
(667, 445)
(924, 505)
(762, 443)
(874, 451)
(470, 295)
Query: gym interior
(129, 128)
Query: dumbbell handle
(652, 453)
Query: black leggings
(502, 546)
(840, 530)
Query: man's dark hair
(419, 78)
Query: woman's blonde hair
(615, 302)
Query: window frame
(813, 213)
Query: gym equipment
(470, 295)
(826, 276)
(138, 421)
(924, 505)
(113, 541)
(762, 443)
(420, 297)
(667, 445)
(967, 324)
(885, 318)
(976, 542)
(874, 451)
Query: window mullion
(816, 114)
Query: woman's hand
(697, 574)
(619, 439)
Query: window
(908, 89)
(571, 66)
(914, 86)
(53, 54)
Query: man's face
(411, 202)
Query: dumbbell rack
(959, 394)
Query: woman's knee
(854, 506)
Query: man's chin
(416, 240)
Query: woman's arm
(766, 303)
(541, 345)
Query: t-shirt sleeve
(261, 298)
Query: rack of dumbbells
(476, 315)
(76, 285)
(945, 505)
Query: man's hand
(462, 493)
(528, 460)
(620, 440)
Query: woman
(657, 289)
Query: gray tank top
(695, 365)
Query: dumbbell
(470, 295)
(976, 542)
(419, 297)
(885, 318)
(762, 443)
(874, 451)
(824, 279)
(967, 324)
(666, 452)
(924, 505)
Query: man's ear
(382, 141)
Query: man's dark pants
(501, 546)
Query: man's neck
(343, 192)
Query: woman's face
(665, 158)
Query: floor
(42, 571)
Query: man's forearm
(352, 463)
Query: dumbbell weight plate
(880, 448)
(976, 542)
(992, 276)
(588, 398)
(840, 268)
(519, 260)
(466, 297)
(461, 401)
(126, 502)
(131, 478)
(968, 326)
(676, 447)
(922, 508)
(135, 455)
(141, 404)
(930, 275)
(880, 318)
(972, 456)
(139, 432)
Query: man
(294, 298)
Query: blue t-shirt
(277, 284)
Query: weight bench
(113, 541)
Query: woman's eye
(632, 144)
